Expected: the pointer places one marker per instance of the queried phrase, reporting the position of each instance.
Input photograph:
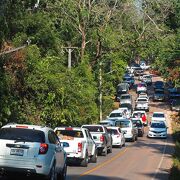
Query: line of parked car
(45, 152)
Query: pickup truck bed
(101, 137)
(78, 144)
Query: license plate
(17, 152)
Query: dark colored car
(122, 88)
(138, 123)
(173, 95)
(159, 85)
(175, 106)
(159, 95)
(138, 71)
(130, 80)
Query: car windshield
(159, 92)
(125, 97)
(123, 124)
(71, 133)
(138, 123)
(20, 134)
(94, 128)
(126, 105)
(142, 100)
(137, 115)
(147, 77)
(141, 85)
(158, 115)
(115, 115)
(158, 125)
(159, 83)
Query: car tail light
(21, 126)
(43, 148)
(79, 147)
(68, 128)
(102, 138)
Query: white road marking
(160, 163)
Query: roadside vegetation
(175, 171)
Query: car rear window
(158, 115)
(137, 122)
(113, 131)
(137, 115)
(20, 134)
(123, 124)
(144, 100)
(115, 115)
(94, 128)
(69, 133)
(125, 97)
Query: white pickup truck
(78, 144)
(102, 138)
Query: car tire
(84, 162)
(133, 139)
(110, 149)
(94, 157)
(104, 153)
(62, 174)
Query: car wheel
(62, 175)
(94, 157)
(84, 162)
(133, 139)
(104, 153)
(110, 149)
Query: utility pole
(69, 50)
(100, 91)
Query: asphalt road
(145, 159)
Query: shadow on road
(93, 177)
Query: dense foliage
(36, 84)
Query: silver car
(125, 98)
(31, 150)
(129, 129)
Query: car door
(90, 142)
(108, 137)
(122, 136)
(58, 150)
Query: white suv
(31, 150)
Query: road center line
(160, 163)
(105, 163)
